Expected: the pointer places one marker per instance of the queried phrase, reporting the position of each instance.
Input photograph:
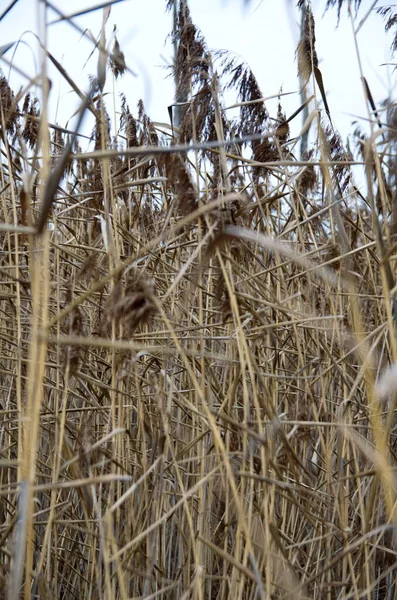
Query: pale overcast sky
(265, 33)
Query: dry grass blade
(319, 79)
(7, 10)
(5, 48)
(234, 232)
(56, 176)
(79, 13)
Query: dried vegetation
(193, 322)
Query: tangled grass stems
(197, 341)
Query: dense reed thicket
(198, 397)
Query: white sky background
(264, 33)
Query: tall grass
(197, 343)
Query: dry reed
(193, 324)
